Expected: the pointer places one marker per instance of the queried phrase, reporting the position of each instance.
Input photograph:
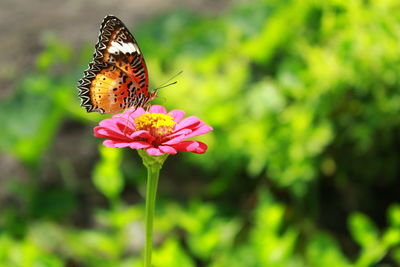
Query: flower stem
(152, 180)
(153, 165)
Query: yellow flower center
(157, 124)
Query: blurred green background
(303, 164)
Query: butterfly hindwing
(117, 77)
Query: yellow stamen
(157, 124)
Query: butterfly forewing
(117, 77)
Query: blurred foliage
(302, 166)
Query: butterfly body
(117, 78)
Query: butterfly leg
(127, 120)
(121, 115)
(147, 107)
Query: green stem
(152, 181)
(153, 165)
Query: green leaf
(363, 230)
(394, 215)
(107, 175)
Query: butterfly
(117, 77)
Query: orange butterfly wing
(117, 77)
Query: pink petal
(188, 122)
(152, 151)
(125, 129)
(130, 113)
(113, 124)
(181, 131)
(177, 115)
(136, 112)
(157, 109)
(168, 149)
(121, 119)
(103, 132)
(199, 131)
(141, 134)
(138, 145)
(107, 123)
(175, 140)
(124, 124)
(133, 145)
(191, 146)
(115, 144)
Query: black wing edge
(106, 28)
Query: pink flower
(156, 131)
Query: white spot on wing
(132, 48)
(122, 47)
(119, 46)
(112, 50)
(127, 47)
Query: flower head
(156, 131)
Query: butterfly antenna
(160, 87)
(164, 84)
